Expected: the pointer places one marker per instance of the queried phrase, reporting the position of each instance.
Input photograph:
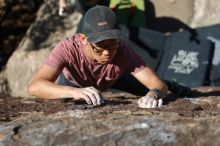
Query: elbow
(35, 89)
(32, 89)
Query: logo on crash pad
(184, 62)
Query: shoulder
(71, 43)
(71, 39)
(126, 49)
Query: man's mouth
(106, 58)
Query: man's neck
(88, 51)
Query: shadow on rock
(82, 104)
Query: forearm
(49, 90)
(149, 79)
(158, 89)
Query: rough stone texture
(195, 13)
(3, 6)
(21, 13)
(117, 128)
(176, 9)
(179, 122)
(206, 13)
(42, 36)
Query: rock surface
(122, 128)
(47, 30)
(180, 122)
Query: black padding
(147, 43)
(185, 59)
(213, 33)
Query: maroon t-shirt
(69, 56)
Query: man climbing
(90, 62)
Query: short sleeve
(133, 61)
(57, 57)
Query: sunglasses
(110, 47)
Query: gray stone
(96, 128)
(180, 122)
(205, 13)
(175, 9)
(41, 37)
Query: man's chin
(104, 61)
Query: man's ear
(83, 38)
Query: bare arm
(42, 85)
(149, 79)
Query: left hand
(149, 102)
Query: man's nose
(106, 52)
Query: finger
(154, 105)
(97, 95)
(148, 104)
(87, 99)
(144, 102)
(140, 103)
(92, 98)
(145, 99)
(142, 106)
(160, 102)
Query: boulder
(45, 32)
(77, 128)
(119, 121)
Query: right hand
(90, 95)
(149, 102)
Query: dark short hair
(100, 23)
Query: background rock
(47, 30)
(206, 13)
(174, 9)
(15, 18)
